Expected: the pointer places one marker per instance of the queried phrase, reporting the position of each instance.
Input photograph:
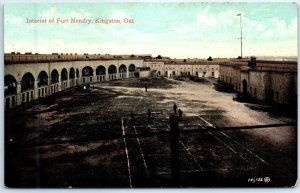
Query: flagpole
(241, 33)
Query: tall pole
(241, 34)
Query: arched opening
(245, 87)
(54, 77)
(100, 73)
(27, 87)
(64, 79)
(72, 77)
(87, 74)
(54, 81)
(10, 87)
(87, 71)
(112, 71)
(122, 71)
(131, 70)
(42, 84)
(43, 79)
(27, 82)
(72, 73)
(64, 75)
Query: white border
(102, 190)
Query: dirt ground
(68, 141)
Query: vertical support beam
(68, 79)
(59, 81)
(49, 86)
(94, 76)
(19, 93)
(79, 76)
(174, 143)
(36, 90)
(106, 74)
(118, 68)
(127, 71)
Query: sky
(177, 30)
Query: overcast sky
(178, 30)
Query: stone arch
(87, 74)
(54, 76)
(122, 69)
(112, 72)
(131, 68)
(64, 74)
(72, 76)
(87, 71)
(43, 79)
(42, 84)
(72, 73)
(27, 82)
(10, 84)
(10, 91)
(112, 69)
(101, 70)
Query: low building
(173, 68)
(269, 81)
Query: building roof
(13, 58)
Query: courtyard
(76, 139)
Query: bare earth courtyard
(67, 140)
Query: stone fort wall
(274, 82)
